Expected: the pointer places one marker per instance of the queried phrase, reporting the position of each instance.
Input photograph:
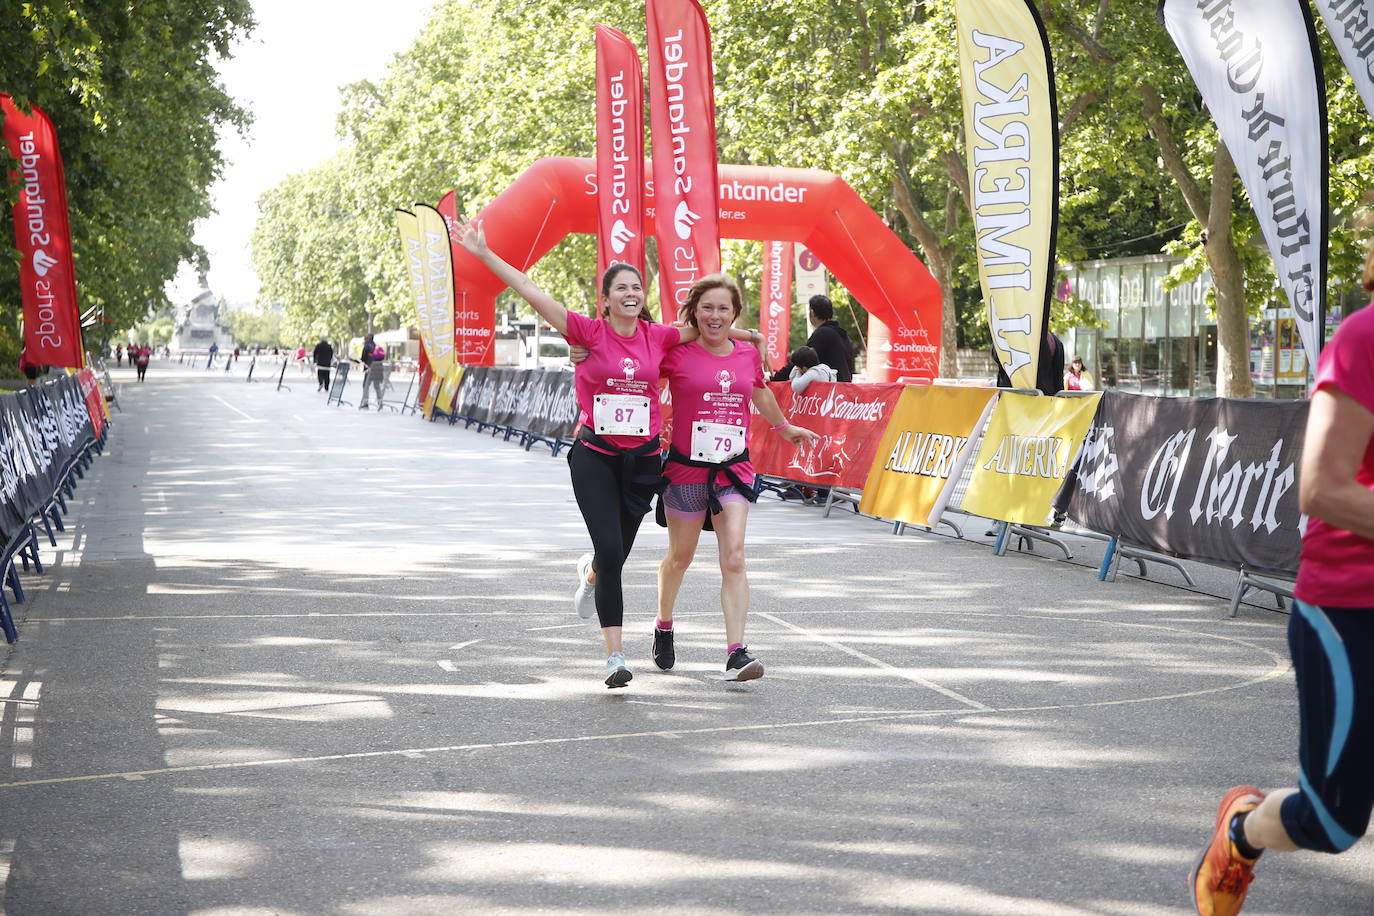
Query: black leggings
(596, 481)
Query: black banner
(42, 429)
(538, 401)
(1212, 479)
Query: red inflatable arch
(557, 196)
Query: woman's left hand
(798, 435)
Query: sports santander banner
(47, 277)
(619, 152)
(775, 303)
(1257, 66)
(682, 115)
(1351, 26)
(1011, 126)
(923, 447)
(1028, 448)
(850, 420)
(474, 323)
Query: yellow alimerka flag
(1029, 446)
(433, 300)
(1011, 127)
(923, 445)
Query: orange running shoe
(1222, 875)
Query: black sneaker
(663, 654)
(741, 666)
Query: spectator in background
(31, 370)
(374, 375)
(214, 348)
(119, 354)
(1077, 378)
(300, 358)
(830, 341)
(324, 359)
(369, 347)
(139, 354)
(803, 367)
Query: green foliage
(867, 90)
(254, 328)
(134, 95)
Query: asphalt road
(292, 659)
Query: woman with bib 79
(616, 462)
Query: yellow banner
(433, 299)
(1026, 451)
(449, 388)
(923, 446)
(1013, 162)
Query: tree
(133, 93)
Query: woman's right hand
(473, 237)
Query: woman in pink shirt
(714, 381)
(616, 462)
(1330, 637)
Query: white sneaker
(584, 599)
(617, 675)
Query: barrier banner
(1028, 448)
(775, 303)
(1257, 66)
(42, 233)
(41, 429)
(619, 152)
(1011, 124)
(554, 412)
(682, 117)
(95, 401)
(925, 443)
(1213, 479)
(850, 419)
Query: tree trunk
(943, 271)
(1228, 284)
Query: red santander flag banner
(682, 115)
(52, 319)
(775, 303)
(619, 152)
(849, 418)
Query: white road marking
(879, 663)
(232, 407)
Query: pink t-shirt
(1337, 567)
(620, 367)
(711, 389)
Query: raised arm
(474, 239)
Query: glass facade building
(1164, 342)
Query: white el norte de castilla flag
(1351, 25)
(1257, 66)
(1011, 126)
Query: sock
(733, 647)
(662, 625)
(1237, 834)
